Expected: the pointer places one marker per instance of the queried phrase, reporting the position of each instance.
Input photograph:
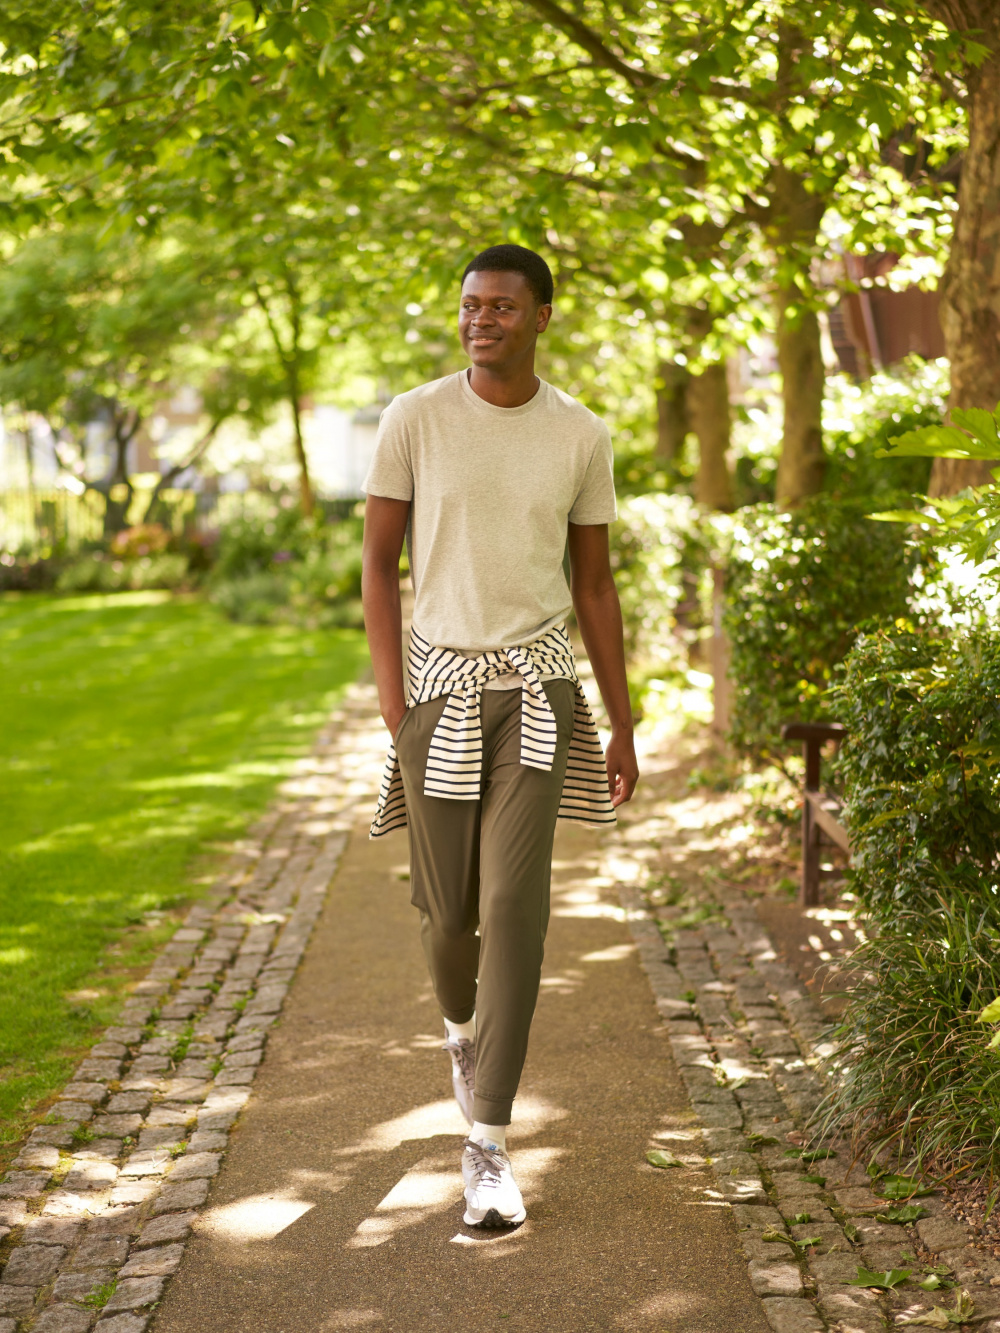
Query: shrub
(25, 573)
(143, 539)
(860, 419)
(253, 599)
(98, 572)
(799, 587)
(921, 767)
(660, 547)
(921, 764)
(281, 569)
(914, 1072)
(256, 542)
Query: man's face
(499, 319)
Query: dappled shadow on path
(700, 822)
(340, 1203)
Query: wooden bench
(820, 812)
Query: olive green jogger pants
(479, 875)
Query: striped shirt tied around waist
(455, 758)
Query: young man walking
(488, 475)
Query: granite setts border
(102, 1198)
(748, 1042)
(97, 1207)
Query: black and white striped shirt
(455, 759)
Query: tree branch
(585, 36)
(173, 472)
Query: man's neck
(512, 390)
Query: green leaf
(816, 1180)
(315, 23)
(903, 1187)
(934, 442)
(980, 424)
(947, 441)
(936, 1318)
(818, 1154)
(907, 1212)
(964, 1310)
(759, 1140)
(774, 1237)
(884, 1281)
(902, 516)
(991, 1014)
(663, 1159)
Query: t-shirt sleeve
(390, 473)
(595, 501)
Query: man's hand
(385, 529)
(392, 718)
(623, 767)
(600, 619)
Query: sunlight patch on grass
(137, 731)
(237, 775)
(17, 954)
(98, 600)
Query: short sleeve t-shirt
(492, 491)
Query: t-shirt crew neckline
(507, 412)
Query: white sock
(495, 1134)
(463, 1030)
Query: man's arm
(385, 532)
(595, 600)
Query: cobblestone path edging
(96, 1210)
(747, 1039)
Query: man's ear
(543, 317)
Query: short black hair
(515, 259)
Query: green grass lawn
(137, 733)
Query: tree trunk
(305, 484)
(698, 404)
(792, 224)
(671, 410)
(708, 411)
(29, 457)
(290, 360)
(173, 472)
(970, 291)
(125, 426)
(800, 360)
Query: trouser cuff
(492, 1110)
(458, 1015)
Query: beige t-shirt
(492, 490)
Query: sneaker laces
(464, 1055)
(486, 1163)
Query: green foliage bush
(921, 764)
(24, 573)
(275, 567)
(921, 767)
(860, 419)
(254, 543)
(102, 572)
(800, 585)
(660, 550)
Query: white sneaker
(491, 1195)
(463, 1073)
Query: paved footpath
(339, 1204)
(267, 1143)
